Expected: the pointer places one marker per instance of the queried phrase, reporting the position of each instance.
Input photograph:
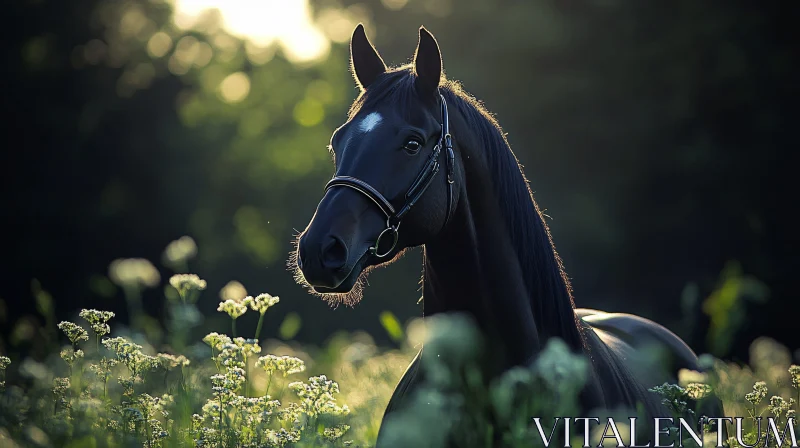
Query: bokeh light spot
(394, 5)
(159, 44)
(94, 51)
(133, 21)
(290, 326)
(253, 123)
(337, 24)
(35, 51)
(187, 50)
(320, 90)
(235, 88)
(309, 112)
(212, 77)
(204, 54)
(259, 55)
(251, 232)
(296, 161)
(439, 8)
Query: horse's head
(393, 187)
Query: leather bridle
(415, 191)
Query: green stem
(147, 426)
(233, 327)
(269, 382)
(246, 378)
(221, 405)
(258, 328)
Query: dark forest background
(657, 136)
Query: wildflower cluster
(232, 414)
(131, 356)
(134, 273)
(698, 391)
(759, 392)
(187, 284)
(779, 407)
(260, 421)
(285, 364)
(60, 388)
(794, 372)
(75, 333)
(261, 303)
(180, 250)
(70, 355)
(317, 396)
(98, 320)
(149, 412)
(783, 410)
(229, 413)
(168, 361)
(233, 308)
(126, 393)
(4, 363)
(216, 341)
(247, 346)
(103, 372)
(675, 398)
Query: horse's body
(493, 259)
(500, 267)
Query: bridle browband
(417, 189)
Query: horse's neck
(472, 268)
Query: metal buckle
(395, 236)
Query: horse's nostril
(334, 253)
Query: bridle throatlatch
(417, 189)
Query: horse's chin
(350, 290)
(345, 287)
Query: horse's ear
(365, 62)
(427, 63)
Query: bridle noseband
(417, 189)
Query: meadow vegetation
(109, 386)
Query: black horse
(421, 162)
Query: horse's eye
(412, 146)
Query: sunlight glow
(263, 22)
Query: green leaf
(290, 326)
(391, 325)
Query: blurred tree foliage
(654, 133)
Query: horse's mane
(550, 290)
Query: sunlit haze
(262, 22)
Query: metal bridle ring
(395, 236)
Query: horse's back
(644, 334)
